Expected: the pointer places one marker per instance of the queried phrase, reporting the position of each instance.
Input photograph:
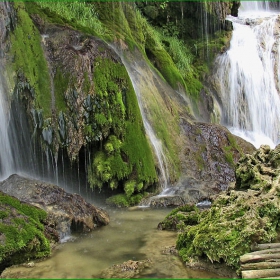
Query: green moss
(125, 155)
(229, 155)
(119, 200)
(122, 200)
(227, 230)
(129, 187)
(26, 44)
(164, 63)
(194, 86)
(60, 87)
(22, 226)
(79, 15)
(181, 217)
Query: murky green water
(131, 235)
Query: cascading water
(6, 159)
(141, 82)
(156, 143)
(248, 75)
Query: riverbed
(131, 235)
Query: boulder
(22, 232)
(66, 212)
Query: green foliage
(162, 59)
(26, 44)
(21, 225)
(79, 14)
(129, 187)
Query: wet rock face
(210, 152)
(65, 211)
(7, 23)
(208, 157)
(72, 59)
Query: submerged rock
(66, 212)
(128, 269)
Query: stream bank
(130, 235)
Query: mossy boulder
(35, 215)
(66, 212)
(260, 170)
(180, 217)
(238, 218)
(22, 232)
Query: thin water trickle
(142, 82)
(246, 75)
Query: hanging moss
(26, 44)
(125, 156)
(60, 86)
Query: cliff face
(189, 20)
(77, 94)
(80, 102)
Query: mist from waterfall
(248, 75)
(22, 153)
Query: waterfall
(248, 76)
(142, 81)
(6, 158)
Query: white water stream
(248, 74)
(6, 158)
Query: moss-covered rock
(82, 98)
(180, 217)
(125, 200)
(25, 44)
(237, 218)
(87, 110)
(21, 232)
